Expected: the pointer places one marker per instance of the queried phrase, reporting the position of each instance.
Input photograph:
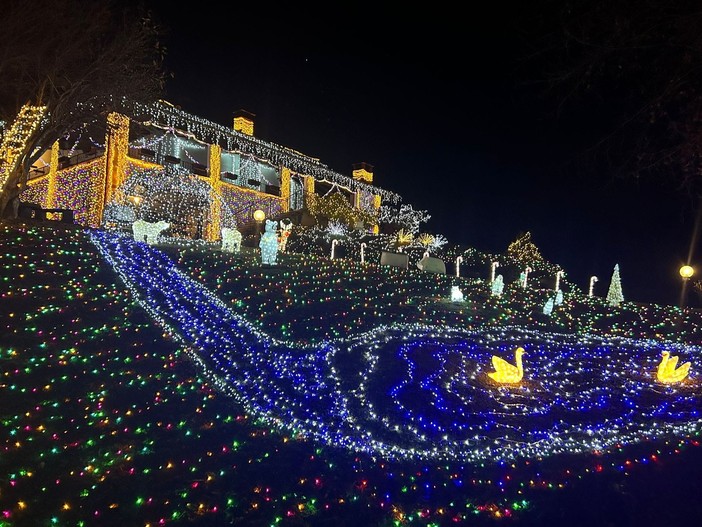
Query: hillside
(189, 386)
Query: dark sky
(442, 102)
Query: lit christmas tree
(548, 307)
(524, 250)
(615, 295)
(559, 298)
(497, 286)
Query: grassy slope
(90, 382)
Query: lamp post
(363, 255)
(136, 202)
(686, 273)
(593, 279)
(259, 216)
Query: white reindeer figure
(145, 231)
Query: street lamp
(136, 201)
(259, 216)
(686, 273)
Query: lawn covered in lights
(177, 387)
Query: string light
(559, 275)
(52, 184)
(107, 418)
(234, 355)
(614, 293)
(524, 250)
(183, 133)
(213, 133)
(389, 384)
(591, 289)
(15, 140)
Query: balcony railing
(199, 169)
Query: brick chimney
(363, 172)
(244, 122)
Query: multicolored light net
(413, 391)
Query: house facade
(157, 162)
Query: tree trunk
(11, 191)
(15, 169)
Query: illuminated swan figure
(505, 372)
(668, 372)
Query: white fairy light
(494, 266)
(458, 416)
(593, 279)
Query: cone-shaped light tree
(615, 295)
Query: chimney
(363, 172)
(244, 122)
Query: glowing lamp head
(686, 271)
(259, 215)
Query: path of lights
(414, 391)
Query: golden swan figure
(668, 372)
(505, 372)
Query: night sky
(446, 106)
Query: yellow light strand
(244, 125)
(146, 165)
(308, 187)
(50, 202)
(285, 175)
(215, 225)
(15, 143)
(376, 204)
(363, 175)
(117, 143)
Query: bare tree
(80, 59)
(630, 71)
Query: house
(157, 162)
